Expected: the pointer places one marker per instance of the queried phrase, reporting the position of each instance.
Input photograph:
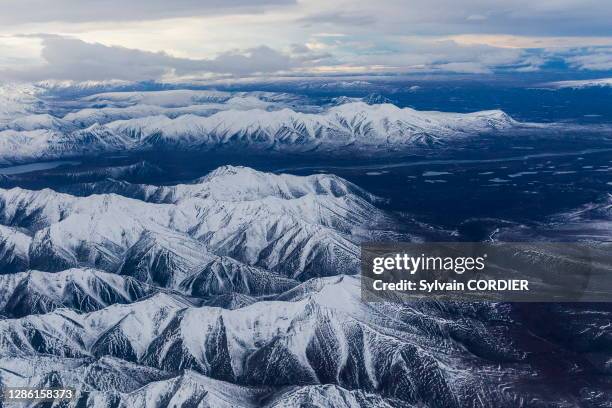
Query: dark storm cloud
(39, 11)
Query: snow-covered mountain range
(237, 289)
(141, 287)
(19, 100)
(301, 227)
(34, 126)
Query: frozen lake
(27, 168)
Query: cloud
(339, 18)
(477, 36)
(421, 54)
(530, 63)
(594, 60)
(450, 17)
(15, 52)
(476, 17)
(299, 48)
(77, 11)
(356, 44)
(309, 57)
(464, 68)
(261, 59)
(382, 17)
(69, 58)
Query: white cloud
(597, 61)
(15, 52)
(465, 68)
(415, 53)
(68, 58)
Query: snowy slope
(188, 119)
(14, 247)
(347, 124)
(18, 100)
(230, 183)
(298, 227)
(307, 342)
(237, 289)
(36, 292)
(233, 290)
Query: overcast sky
(155, 39)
